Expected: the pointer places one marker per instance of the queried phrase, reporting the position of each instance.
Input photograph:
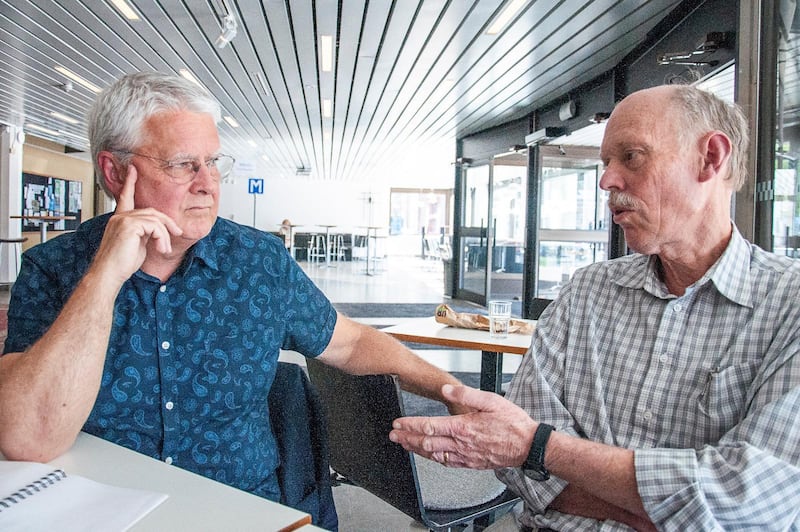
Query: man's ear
(113, 173)
(716, 149)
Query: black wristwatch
(533, 466)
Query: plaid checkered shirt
(705, 388)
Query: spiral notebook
(37, 496)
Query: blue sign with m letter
(255, 186)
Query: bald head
(691, 113)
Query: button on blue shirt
(190, 361)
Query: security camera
(66, 86)
(229, 27)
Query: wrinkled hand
(124, 245)
(497, 433)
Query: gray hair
(701, 112)
(120, 111)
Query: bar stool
(15, 248)
(316, 248)
(337, 247)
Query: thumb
(471, 398)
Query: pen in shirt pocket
(709, 377)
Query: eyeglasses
(182, 171)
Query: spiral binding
(32, 489)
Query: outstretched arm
(499, 434)
(362, 350)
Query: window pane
(786, 207)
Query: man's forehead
(638, 119)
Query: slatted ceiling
(553, 68)
(457, 29)
(277, 100)
(406, 72)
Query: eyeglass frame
(167, 165)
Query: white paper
(73, 503)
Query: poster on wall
(50, 196)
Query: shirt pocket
(722, 400)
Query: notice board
(50, 196)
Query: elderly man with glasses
(158, 327)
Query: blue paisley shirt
(190, 361)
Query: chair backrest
(298, 421)
(360, 412)
(536, 306)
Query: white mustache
(621, 200)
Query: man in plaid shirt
(662, 388)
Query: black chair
(536, 306)
(301, 243)
(298, 421)
(360, 411)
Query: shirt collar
(205, 248)
(730, 274)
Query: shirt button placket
(169, 413)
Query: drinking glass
(499, 317)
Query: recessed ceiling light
(191, 77)
(265, 157)
(252, 143)
(42, 129)
(327, 107)
(77, 79)
(326, 45)
(231, 121)
(73, 135)
(263, 82)
(125, 9)
(63, 117)
(505, 16)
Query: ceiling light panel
(326, 52)
(127, 11)
(77, 79)
(505, 16)
(42, 129)
(64, 118)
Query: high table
(429, 331)
(291, 236)
(44, 220)
(370, 229)
(328, 244)
(194, 503)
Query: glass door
(786, 202)
(474, 235)
(507, 245)
(573, 217)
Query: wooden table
(194, 503)
(44, 220)
(429, 331)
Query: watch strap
(534, 464)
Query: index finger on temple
(125, 202)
